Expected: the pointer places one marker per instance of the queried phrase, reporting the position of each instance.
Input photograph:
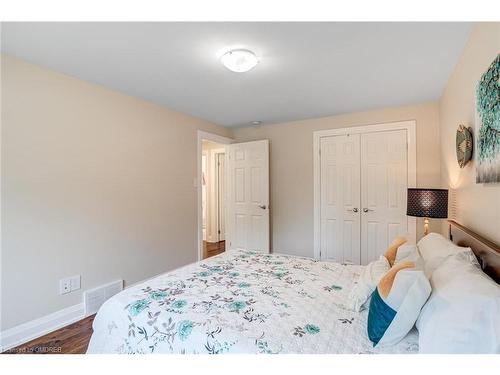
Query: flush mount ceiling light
(239, 60)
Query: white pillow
(367, 282)
(391, 317)
(434, 249)
(463, 312)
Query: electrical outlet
(64, 286)
(69, 284)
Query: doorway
(233, 188)
(211, 184)
(213, 200)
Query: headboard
(487, 252)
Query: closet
(364, 173)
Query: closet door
(384, 182)
(340, 198)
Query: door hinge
(320, 152)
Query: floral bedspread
(240, 302)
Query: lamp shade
(428, 203)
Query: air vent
(94, 298)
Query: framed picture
(488, 125)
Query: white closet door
(340, 198)
(248, 196)
(384, 182)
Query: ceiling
(306, 70)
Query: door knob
(355, 209)
(263, 206)
(367, 210)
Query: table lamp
(427, 203)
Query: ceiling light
(256, 123)
(239, 60)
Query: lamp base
(426, 226)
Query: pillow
(434, 249)
(367, 282)
(391, 251)
(463, 312)
(407, 252)
(396, 303)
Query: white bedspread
(240, 302)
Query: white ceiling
(307, 69)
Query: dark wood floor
(72, 339)
(213, 248)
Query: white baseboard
(33, 329)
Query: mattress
(240, 302)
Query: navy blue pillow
(380, 316)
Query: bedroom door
(384, 183)
(247, 219)
(340, 198)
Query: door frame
(210, 137)
(219, 198)
(409, 126)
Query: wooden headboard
(487, 252)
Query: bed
(240, 302)
(250, 302)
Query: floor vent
(94, 298)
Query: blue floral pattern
(138, 306)
(240, 302)
(184, 328)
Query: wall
(94, 183)
(478, 205)
(291, 154)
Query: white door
(247, 220)
(384, 182)
(340, 198)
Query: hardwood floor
(213, 248)
(73, 339)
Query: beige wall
(292, 167)
(478, 205)
(94, 183)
